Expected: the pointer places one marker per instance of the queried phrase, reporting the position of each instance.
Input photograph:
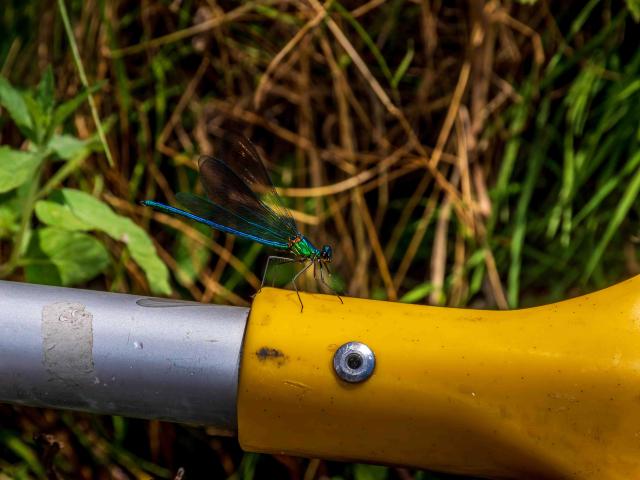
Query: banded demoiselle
(241, 200)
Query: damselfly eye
(326, 253)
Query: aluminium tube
(119, 354)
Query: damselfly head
(326, 254)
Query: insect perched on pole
(241, 200)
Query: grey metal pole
(120, 354)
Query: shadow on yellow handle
(550, 392)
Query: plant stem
(67, 169)
(25, 224)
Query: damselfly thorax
(301, 247)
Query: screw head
(354, 362)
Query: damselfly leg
(281, 261)
(293, 282)
(333, 290)
(317, 269)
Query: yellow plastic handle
(545, 392)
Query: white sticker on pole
(67, 342)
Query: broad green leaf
(76, 257)
(39, 269)
(91, 210)
(68, 146)
(58, 215)
(16, 167)
(13, 101)
(8, 220)
(144, 254)
(98, 216)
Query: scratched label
(67, 343)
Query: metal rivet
(354, 362)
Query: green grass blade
(628, 198)
(366, 38)
(83, 79)
(403, 67)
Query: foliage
(576, 168)
(60, 253)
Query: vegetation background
(454, 153)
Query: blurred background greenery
(479, 154)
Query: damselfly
(242, 201)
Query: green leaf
(67, 108)
(276, 14)
(247, 467)
(58, 215)
(369, 472)
(38, 116)
(58, 256)
(13, 100)
(90, 210)
(44, 92)
(24, 452)
(144, 254)
(68, 146)
(619, 215)
(16, 167)
(97, 216)
(41, 270)
(8, 220)
(403, 67)
(634, 8)
(417, 293)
